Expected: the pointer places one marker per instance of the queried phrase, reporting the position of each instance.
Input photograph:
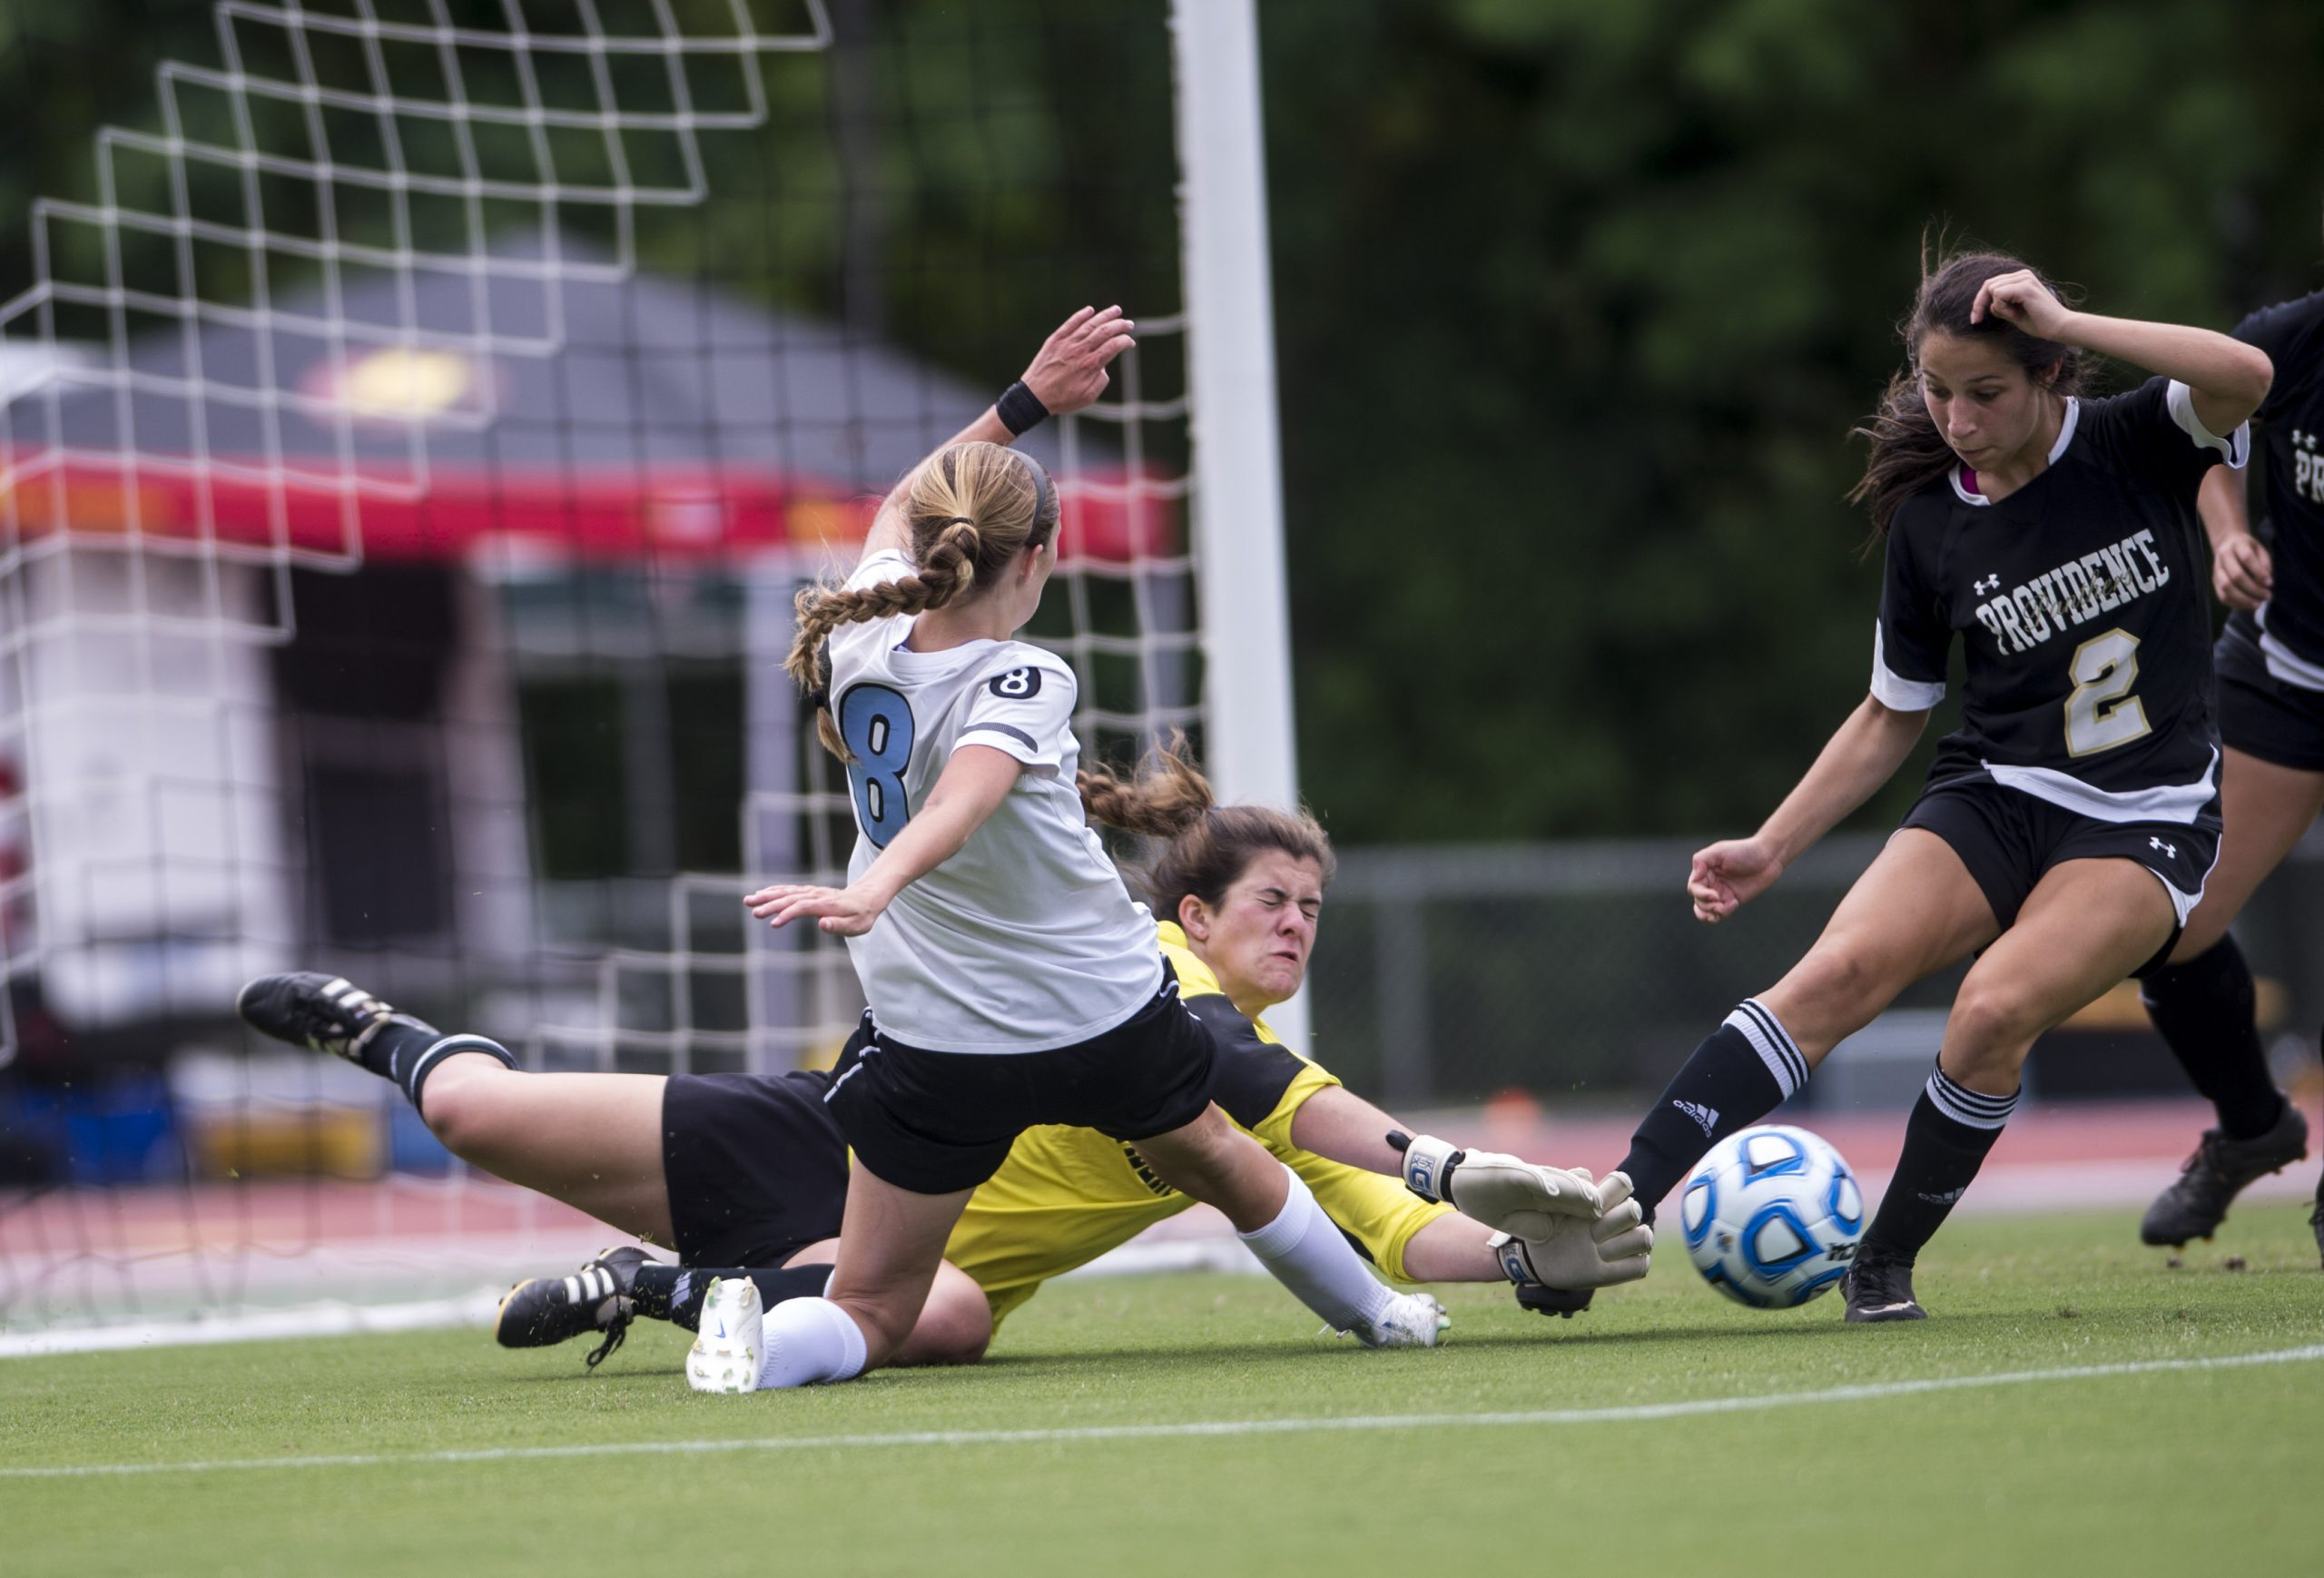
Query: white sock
(1308, 1256)
(807, 1340)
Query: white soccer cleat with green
(729, 1347)
(1411, 1320)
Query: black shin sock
(1743, 1071)
(1945, 1141)
(675, 1293)
(2205, 1010)
(405, 1050)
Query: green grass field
(1059, 1454)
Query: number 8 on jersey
(877, 724)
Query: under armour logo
(1706, 1116)
(2170, 851)
(1988, 584)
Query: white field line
(1202, 1428)
(334, 1317)
(324, 1319)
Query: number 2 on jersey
(2101, 711)
(877, 724)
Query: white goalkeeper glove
(1575, 1254)
(1501, 1192)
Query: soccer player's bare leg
(592, 1140)
(1278, 1219)
(890, 1243)
(2087, 925)
(2205, 1006)
(1914, 911)
(955, 1324)
(2266, 808)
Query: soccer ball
(1771, 1216)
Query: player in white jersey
(1012, 980)
(2066, 828)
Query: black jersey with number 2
(2084, 609)
(2290, 630)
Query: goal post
(1250, 747)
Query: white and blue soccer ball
(1771, 1216)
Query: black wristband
(1020, 410)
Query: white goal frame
(1250, 748)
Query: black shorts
(755, 1165)
(934, 1122)
(2010, 840)
(2262, 717)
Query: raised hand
(2021, 298)
(1729, 875)
(1069, 373)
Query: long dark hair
(1908, 453)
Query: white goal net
(410, 443)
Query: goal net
(413, 428)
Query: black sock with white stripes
(2205, 1011)
(1945, 1141)
(675, 1293)
(405, 1050)
(1736, 1076)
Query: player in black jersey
(2066, 829)
(2270, 663)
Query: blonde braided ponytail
(969, 510)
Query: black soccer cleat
(1880, 1290)
(1542, 1299)
(543, 1311)
(2316, 1222)
(2194, 1205)
(309, 1008)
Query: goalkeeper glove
(1503, 1192)
(1554, 1272)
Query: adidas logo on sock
(1706, 1116)
(1948, 1198)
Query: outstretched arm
(1605, 1244)
(1858, 759)
(1067, 374)
(2226, 378)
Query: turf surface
(2157, 1470)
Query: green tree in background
(1576, 305)
(1589, 297)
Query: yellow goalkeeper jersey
(1066, 1196)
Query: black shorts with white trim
(936, 1122)
(2011, 839)
(754, 1164)
(2263, 715)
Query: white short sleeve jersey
(1025, 939)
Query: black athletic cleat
(1880, 1290)
(2316, 1222)
(543, 1311)
(2195, 1206)
(309, 1008)
(1543, 1299)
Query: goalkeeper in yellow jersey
(745, 1175)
